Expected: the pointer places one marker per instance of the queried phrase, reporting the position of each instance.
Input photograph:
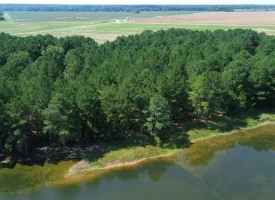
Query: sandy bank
(85, 166)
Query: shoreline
(73, 171)
(234, 131)
(85, 166)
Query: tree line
(60, 90)
(129, 8)
(1, 16)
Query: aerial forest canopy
(73, 90)
(129, 8)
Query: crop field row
(108, 26)
(87, 16)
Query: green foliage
(60, 118)
(158, 116)
(136, 11)
(72, 90)
(205, 93)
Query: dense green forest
(73, 90)
(129, 8)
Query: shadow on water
(155, 171)
(152, 170)
(48, 165)
(116, 183)
(266, 143)
(216, 175)
(260, 139)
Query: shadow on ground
(176, 136)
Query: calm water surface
(240, 166)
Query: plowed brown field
(233, 18)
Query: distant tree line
(1, 16)
(60, 90)
(128, 8)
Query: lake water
(239, 166)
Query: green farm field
(103, 26)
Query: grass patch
(26, 16)
(135, 153)
(177, 138)
(127, 151)
(97, 165)
(220, 125)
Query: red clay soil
(232, 18)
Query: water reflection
(239, 166)
(155, 170)
(243, 173)
(261, 143)
(202, 152)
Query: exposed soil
(234, 18)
